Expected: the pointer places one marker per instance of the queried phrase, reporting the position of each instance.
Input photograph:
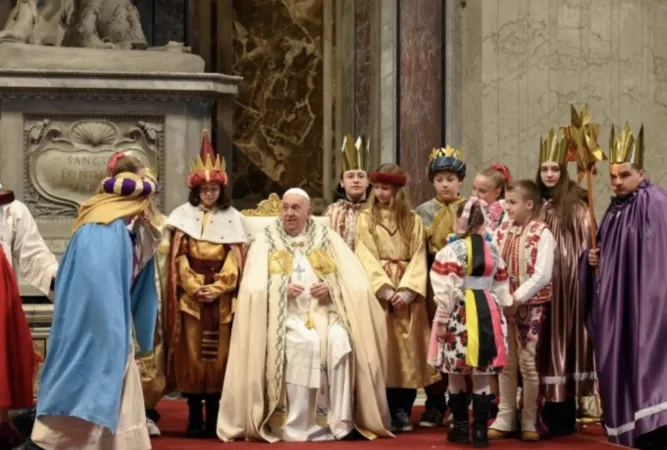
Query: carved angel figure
(76, 23)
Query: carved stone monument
(77, 83)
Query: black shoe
(493, 410)
(481, 405)
(354, 435)
(212, 406)
(401, 422)
(559, 418)
(458, 429)
(153, 415)
(24, 421)
(195, 418)
(432, 418)
(29, 445)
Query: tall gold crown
(626, 148)
(355, 153)
(207, 159)
(444, 152)
(553, 148)
(208, 163)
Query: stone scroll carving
(66, 158)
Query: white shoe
(153, 430)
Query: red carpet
(174, 420)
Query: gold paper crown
(444, 152)
(207, 159)
(626, 148)
(355, 154)
(208, 164)
(554, 147)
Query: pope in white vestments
(307, 357)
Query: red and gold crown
(208, 167)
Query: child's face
(483, 188)
(550, 174)
(446, 186)
(519, 209)
(383, 192)
(355, 183)
(209, 194)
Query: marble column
(420, 90)
(384, 81)
(364, 76)
(279, 112)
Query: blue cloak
(96, 305)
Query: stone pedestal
(58, 130)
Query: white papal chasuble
(318, 363)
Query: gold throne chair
(267, 211)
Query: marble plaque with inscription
(66, 157)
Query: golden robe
(390, 259)
(200, 357)
(439, 222)
(253, 396)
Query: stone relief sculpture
(102, 24)
(66, 159)
(106, 24)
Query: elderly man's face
(295, 213)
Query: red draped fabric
(18, 360)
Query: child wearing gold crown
(527, 247)
(352, 190)
(626, 300)
(205, 264)
(568, 370)
(446, 171)
(390, 244)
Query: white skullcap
(297, 191)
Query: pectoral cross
(299, 272)
(299, 277)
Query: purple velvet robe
(626, 311)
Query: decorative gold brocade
(321, 263)
(280, 262)
(266, 208)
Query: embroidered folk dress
(471, 287)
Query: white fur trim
(224, 227)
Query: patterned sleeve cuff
(448, 268)
(440, 318)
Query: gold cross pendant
(309, 322)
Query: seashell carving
(94, 133)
